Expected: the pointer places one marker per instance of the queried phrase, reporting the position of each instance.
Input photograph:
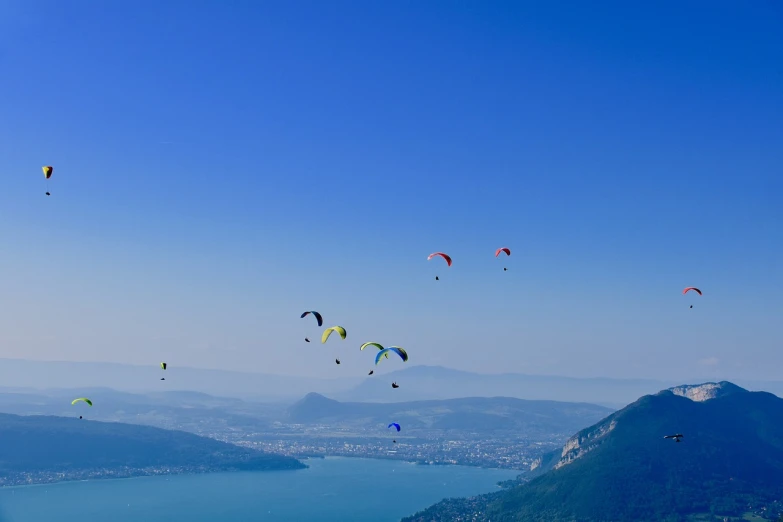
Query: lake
(331, 490)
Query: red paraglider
(691, 288)
(504, 249)
(444, 256)
(441, 254)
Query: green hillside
(45, 449)
(621, 469)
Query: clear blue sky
(222, 166)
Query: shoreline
(303, 460)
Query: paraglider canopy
(316, 315)
(163, 366)
(504, 249)
(440, 254)
(396, 349)
(395, 425)
(339, 329)
(47, 172)
(81, 399)
(688, 289)
(377, 345)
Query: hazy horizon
(218, 171)
(378, 371)
(420, 382)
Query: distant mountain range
(193, 411)
(477, 415)
(416, 383)
(188, 411)
(29, 375)
(729, 463)
(48, 449)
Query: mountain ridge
(622, 469)
(483, 414)
(55, 448)
(418, 382)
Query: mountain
(435, 382)
(181, 410)
(417, 383)
(56, 448)
(622, 469)
(473, 414)
(27, 375)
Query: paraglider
(47, 171)
(163, 366)
(81, 399)
(396, 426)
(396, 349)
(688, 289)
(337, 361)
(506, 250)
(339, 329)
(676, 437)
(318, 318)
(377, 345)
(395, 385)
(444, 256)
(316, 315)
(371, 372)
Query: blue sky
(222, 166)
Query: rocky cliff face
(591, 438)
(706, 391)
(584, 442)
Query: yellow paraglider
(81, 399)
(339, 329)
(47, 171)
(377, 345)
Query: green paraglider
(81, 399)
(339, 329)
(377, 345)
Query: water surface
(331, 490)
